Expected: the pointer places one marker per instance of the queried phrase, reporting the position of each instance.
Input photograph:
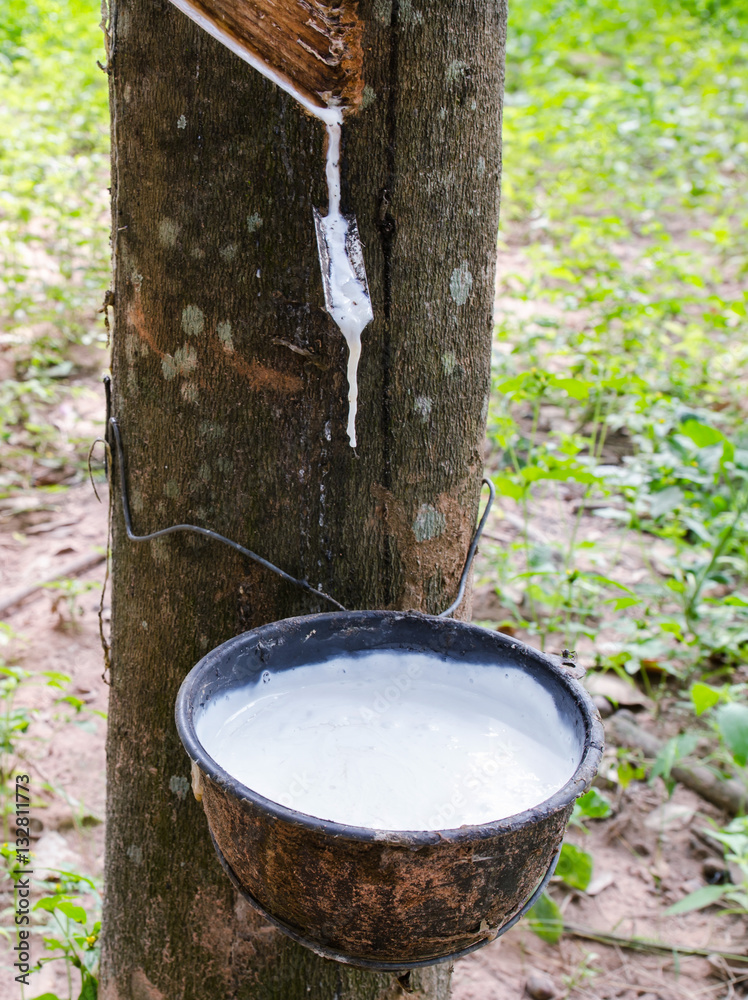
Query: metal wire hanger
(303, 584)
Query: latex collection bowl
(381, 899)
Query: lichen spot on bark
(224, 335)
(210, 429)
(407, 13)
(456, 71)
(429, 523)
(135, 854)
(137, 502)
(383, 11)
(449, 362)
(179, 785)
(133, 386)
(254, 221)
(422, 405)
(461, 284)
(481, 166)
(193, 321)
(368, 98)
(228, 252)
(159, 549)
(134, 347)
(182, 362)
(131, 348)
(123, 23)
(181, 122)
(189, 392)
(168, 231)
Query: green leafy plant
(16, 719)
(733, 898)
(546, 920)
(613, 328)
(66, 600)
(74, 934)
(592, 805)
(673, 752)
(727, 710)
(75, 940)
(629, 768)
(54, 257)
(574, 869)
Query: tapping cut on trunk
(311, 49)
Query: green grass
(53, 211)
(626, 138)
(625, 211)
(53, 164)
(625, 225)
(623, 309)
(622, 315)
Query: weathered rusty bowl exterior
(382, 899)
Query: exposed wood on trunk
(316, 46)
(215, 172)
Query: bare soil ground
(646, 857)
(63, 750)
(647, 854)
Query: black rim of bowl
(579, 782)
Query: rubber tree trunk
(229, 388)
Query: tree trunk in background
(230, 390)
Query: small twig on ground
(519, 526)
(81, 565)
(653, 947)
(727, 793)
(41, 529)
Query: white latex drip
(394, 741)
(332, 170)
(348, 298)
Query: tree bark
(230, 391)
